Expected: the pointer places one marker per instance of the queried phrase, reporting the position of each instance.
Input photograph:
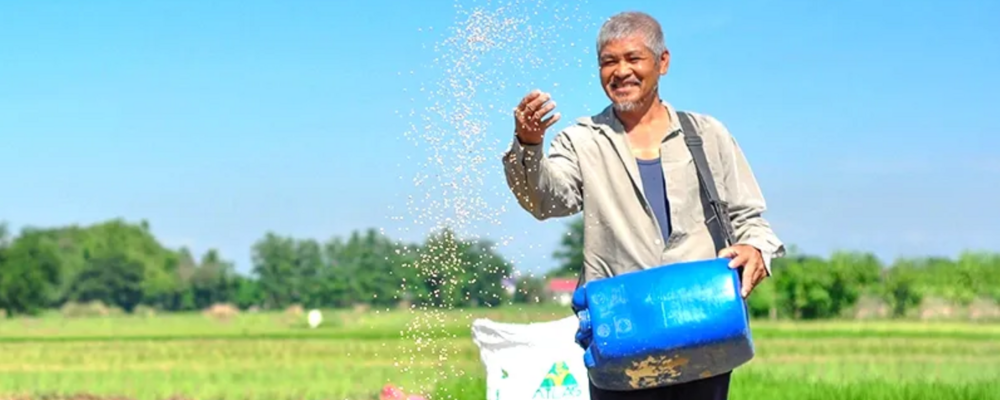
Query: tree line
(122, 264)
(804, 286)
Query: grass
(274, 356)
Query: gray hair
(632, 23)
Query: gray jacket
(590, 169)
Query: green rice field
(275, 356)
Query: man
(630, 173)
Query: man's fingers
(548, 122)
(760, 275)
(545, 109)
(740, 260)
(521, 112)
(528, 98)
(536, 103)
(728, 252)
(754, 273)
(748, 279)
(529, 114)
(533, 107)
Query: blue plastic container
(663, 326)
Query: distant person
(631, 173)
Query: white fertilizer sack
(538, 361)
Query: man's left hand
(750, 259)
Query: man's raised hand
(528, 117)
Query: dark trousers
(714, 388)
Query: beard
(632, 105)
(626, 106)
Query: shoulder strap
(723, 226)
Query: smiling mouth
(624, 86)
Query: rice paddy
(354, 354)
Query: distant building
(561, 290)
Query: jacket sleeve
(745, 199)
(545, 186)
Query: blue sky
(870, 125)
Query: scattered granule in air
(493, 49)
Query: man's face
(629, 73)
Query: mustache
(627, 81)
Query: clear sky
(870, 125)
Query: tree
(4, 235)
(213, 281)
(763, 301)
(983, 272)
(29, 273)
(184, 297)
(75, 247)
(136, 244)
(461, 273)
(370, 268)
(247, 292)
(854, 274)
(810, 287)
(570, 251)
(112, 279)
(487, 270)
(899, 288)
(274, 264)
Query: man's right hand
(528, 117)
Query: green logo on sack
(558, 383)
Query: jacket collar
(608, 123)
